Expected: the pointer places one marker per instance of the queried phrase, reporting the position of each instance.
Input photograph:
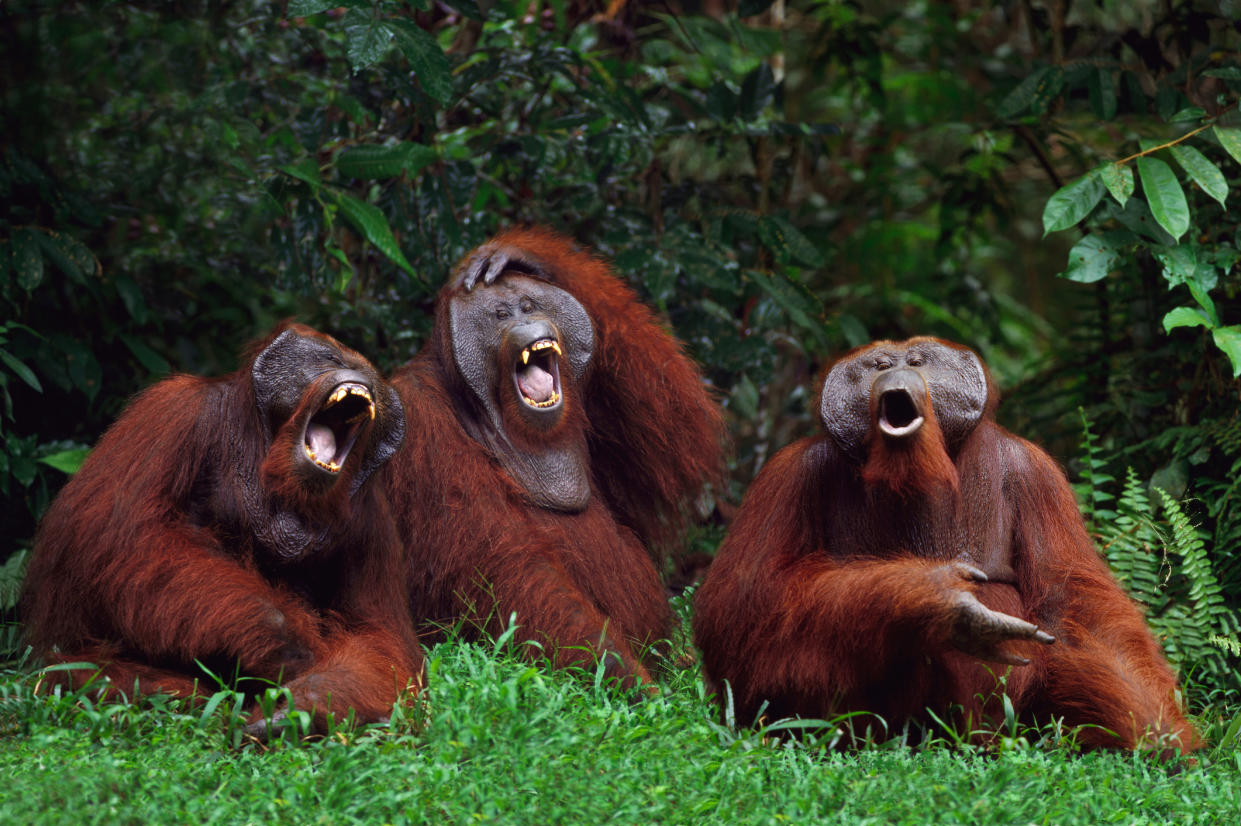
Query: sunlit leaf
(1093, 257)
(1228, 339)
(368, 39)
(1185, 317)
(1072, 202)
(1119, 181)
(1206, 174)
(1230, 139)
(1164, 195)
(67, 461)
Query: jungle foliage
(781, 181)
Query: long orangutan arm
(1106, 667)
(120, 538)
(780, 613)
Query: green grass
(502, 741)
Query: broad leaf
(431, 66)
(1230, 139)
(304, 170)
(1094, 256)
(1185, 317)
(150, 359)
(1102, 86)
(1205, 173)
(373, 226)
(368, 39)
(1072, 202)
(305, 8)
(69, 254)
(1164, 195)
(1119, 181)
(373, 162)
(20, 369)
(27, 259)
(67, 461)
(1228, 339)
(786, 240)
(756, 91)
(1038, 86)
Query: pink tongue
(322, 441)
(536, 383)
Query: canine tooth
(525, 356)
(555, 345)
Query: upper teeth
(352, 390)
(542, 344)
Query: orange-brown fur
(825, 597)
(141, 568)
(580, 584)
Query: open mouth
(332, 432)
(538, 375)
(898, 416)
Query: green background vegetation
(1052, 183)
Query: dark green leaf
(1185, 317)
(27, 259)
(304, 170)
(131, 295)
(67, 461)
(368, 40)
(1094, 256)
(1189, 113)
(305, 8)
(373, 162)
(469, 8)
(431, 66)
(1226, 73)
(1204, 301)
(149, 359)
(373, 226)
(1164, 195)
(1230, 139)
(1072, 202)
(785, 239)
(1118, 180)
(20, 370)
(69, 254)
(1205, 173)
(1102, 86)
(1039, 86)
(1228, 339)
(721, 102)
(756, 91)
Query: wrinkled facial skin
(885, 386)
(331, 423)
(511, 340)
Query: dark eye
(883, 364)
(914, 360)
(503, 312)
(527, 306)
